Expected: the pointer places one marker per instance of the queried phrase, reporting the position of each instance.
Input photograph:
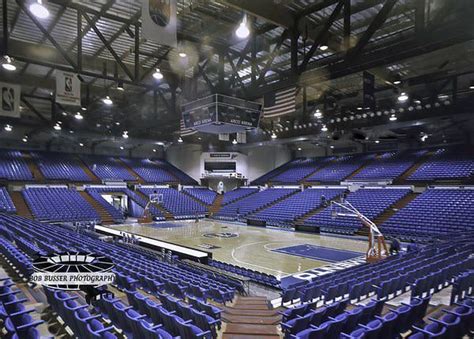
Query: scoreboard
(219, 113)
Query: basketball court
(277, 252)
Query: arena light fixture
(403, 97)
(471, 86)
(64, 113)
(160, 143)
(125, 134)
(182, 54)
(180, 140)
(377, 141)
(7, 64)
(393, 117)
(324, 128)
(57, 127)
(154, 150)
(39, 10)
(8, 128)
(242, 32)
(234, 142)
(25, 138)
(424, 137)
(273, 136)
(299, 148)
(397, 82)
(318, 114)
(107, 100)
(81, 144)
(84, 108)
(158, 75)
(120, 86)
(78, 116)
(323, 47)
(121, 147)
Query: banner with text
(68, 88)
(10, 100)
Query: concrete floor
(247, 246)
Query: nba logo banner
(68, 88)
(159, 21)
(10, 100)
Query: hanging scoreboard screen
(221, 114)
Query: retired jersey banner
(68, 88)
(159, 21)
(10, 100)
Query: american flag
(279, 103)
(183, 131)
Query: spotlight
(107, 100)
(64, 113)
(7, 64)
(180, 140)
(160, 143)
(8, 128)
(397, 82)
(234, 142)
(424, 137)
(377, 141)
(359, 108)
(158, 75)
(332, 146)
(471, 86)
(121, 147)
(323, 47)
(117, 123)
(38, 10)
(84, 108)
(81, 144)
(403, 97)
(299, 148)
(242, 31)
(324, 128)
(125, 134)
(57, 127)
(154, 150)
(182, 54)
(71, 131)
(78, 116)
(274, 136)
(318, 114)
(25, 139)
(120, 86)
(393, 117)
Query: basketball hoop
(377, 248)
(153, 199)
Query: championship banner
(159, 21)
(10, 100)
(68, 88)
(369, 90)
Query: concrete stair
(250, 317)
(404, 177)
(389, 212)
(167, 214)
(89, 173)
(134, 174)
(21, 206)
(275, 202)
(104, 215)
(216, 204)
(37, 174)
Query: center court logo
(71, 270)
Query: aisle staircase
(250, 317)
(216, 204)
(309, 214)
(404, 177)
(389, 212)
(21, 206)
(90, 174)
(104, 215)
(274, 202)
(35, 171)
(134, 174)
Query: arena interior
(237, 169)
